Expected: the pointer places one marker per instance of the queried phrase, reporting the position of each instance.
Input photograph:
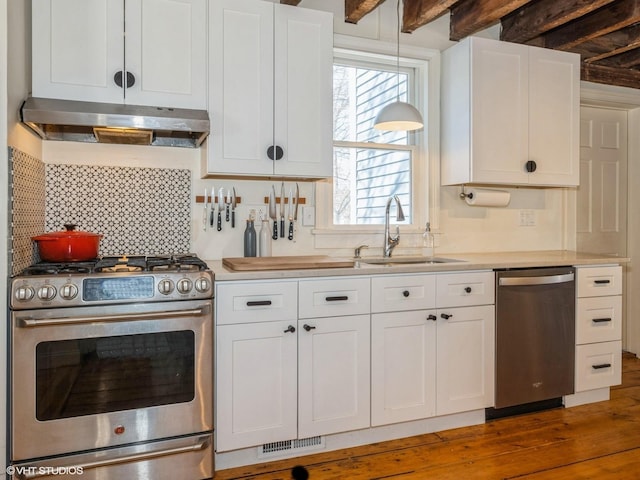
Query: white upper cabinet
(139, 52)
(270, 92)
(510, 114)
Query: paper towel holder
(464, 195)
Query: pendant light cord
(398, 51)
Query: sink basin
(404, 259)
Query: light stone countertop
(468, 261)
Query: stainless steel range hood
(70, 120)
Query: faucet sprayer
(389, 241)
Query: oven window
(98, 375)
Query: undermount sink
(403, 259)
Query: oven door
(94, 377)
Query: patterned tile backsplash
(140, 211)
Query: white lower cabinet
(333, 375)
(465, 359)
(256, 391)
(403, 366)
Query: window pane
(364, 179)
(358, 95)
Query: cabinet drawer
(599, 281)
(403, 292)
(598, 319)
(465, 289)
(330, 297)
(598, 365)
(256, 302)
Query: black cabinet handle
(308, 327)
(406, 293)
(338, 298)
(446, 316)
(432, 317)
(290, 329)
(531, 166)
(601, 366)
(275, 152)
(600, 320)
(131, 79)
(601, 282)
(467, 289)
(259, 303)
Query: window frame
(425, 92)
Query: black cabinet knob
(275, 152)
(290, 329)
(131, 79)
(308, 327)
(446, 316)
(432, 317)
(531, 166)
(467, 289)
(406, 293)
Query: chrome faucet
(389, 241)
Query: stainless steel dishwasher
(535, 339)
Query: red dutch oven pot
(69, 245)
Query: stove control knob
(165, 286)
(47, 292)
(69, 291)
(184, 285)
(24, 293)
(203, 284)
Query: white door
(333, 375)
(256, 391)
(166, 52)
(403, 366)
(78, 47)
(602, 195)
(465, 359)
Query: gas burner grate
(54, 268)
(183, 262)
(121, 264)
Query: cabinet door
(256, 387)
(403, 372)
(499, 119)
(303, 71)
(333, 375)
(554, 117)
(166, 52)
(77, 48)
(465, 359)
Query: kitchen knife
(234, 202)
(220, 207)
(204, 213)
(227, 203)
(212, 207)
(295, 212)
(272, 212)
(290, 214)
(282, 210)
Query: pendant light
(398, 115)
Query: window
(370, 165)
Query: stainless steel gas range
(112, 370)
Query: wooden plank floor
(596, 441)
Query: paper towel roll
(482, 197)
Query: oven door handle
(201, 444)
(127, 317)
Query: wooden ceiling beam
(354, 10)
(291, 2)
(627, 59)
(622, 77)
(471, 16)
(417, 13)
(601, 22)
(608, 45)
(536, 18)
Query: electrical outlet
(308, 216)
(527, 218)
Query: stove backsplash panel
(144, 211)
(27, 187)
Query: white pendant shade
(398, 116)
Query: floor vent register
(298, 445)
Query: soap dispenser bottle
(428, 241)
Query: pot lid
(69, 232)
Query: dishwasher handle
(541, 280)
